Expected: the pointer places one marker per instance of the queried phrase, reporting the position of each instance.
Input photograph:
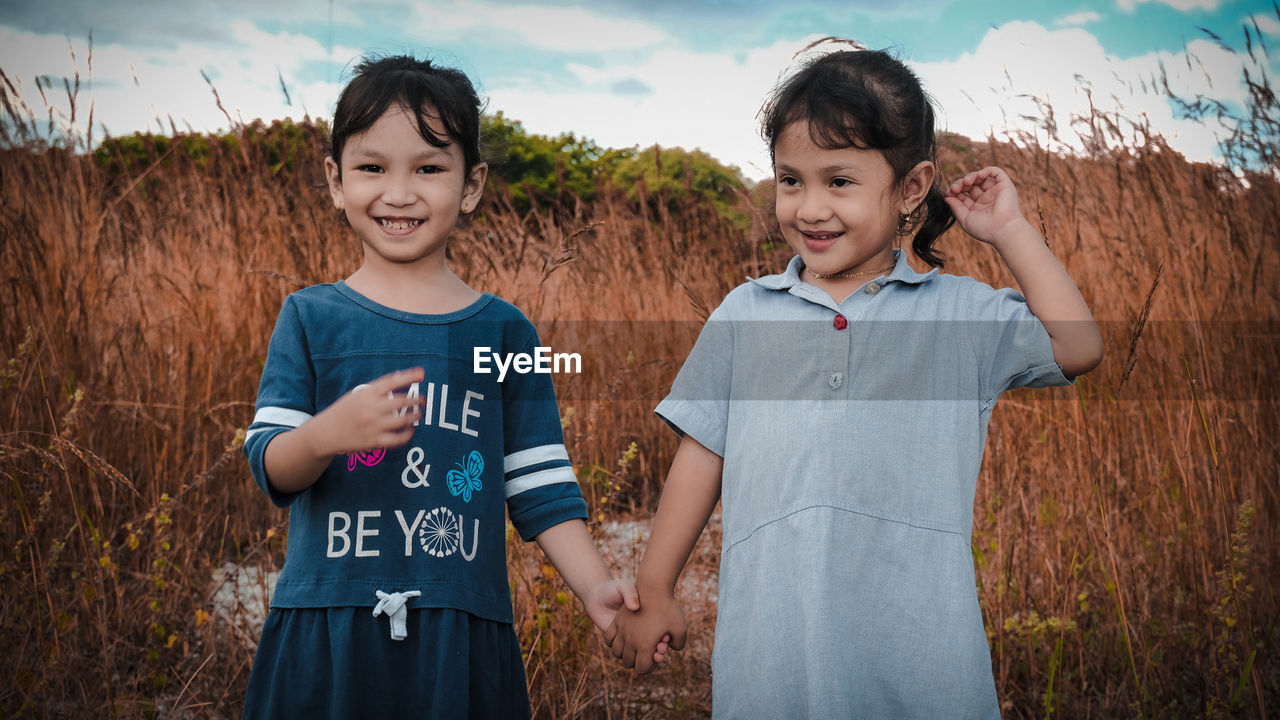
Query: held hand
(606, 599)
(985, 204)
(372, 416)
(642, 637)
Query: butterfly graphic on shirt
(466, 479)
(368, 458)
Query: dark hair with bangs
(420, 86)
(869, 100)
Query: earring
(908, 221)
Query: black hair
(420, 86)
(869, 100)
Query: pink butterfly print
(367, 457)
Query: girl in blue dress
(838, 412)
(398, 457)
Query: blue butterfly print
(466, 480)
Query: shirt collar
(789, 278)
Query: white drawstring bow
(393, 604)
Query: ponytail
(938, 217)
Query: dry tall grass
(1124, 534)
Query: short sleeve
(541, 487)
(286, 395)
(1011, 344)
(698, 404)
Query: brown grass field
(1125, 531)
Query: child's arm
(691, 493)
(986, 205)
(368, 417)
(570, 549)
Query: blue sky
(626, 73)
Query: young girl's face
(837, 208)
(401, 194)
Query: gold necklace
(827, 276)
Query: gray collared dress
(852, 434)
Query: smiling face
(838, 208)
(401, 194)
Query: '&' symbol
(416, 467)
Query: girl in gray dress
(839, 411)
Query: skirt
(341, 663)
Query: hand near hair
(985, 204)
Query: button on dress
(851, 456)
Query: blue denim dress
(852, 435)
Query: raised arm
(985, 204)
(689, 496)
(372, 416)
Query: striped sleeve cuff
(273, 417)
(537, 467)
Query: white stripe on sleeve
(533, 456)
(538, 479)
(280, 416)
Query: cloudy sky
(628, 72)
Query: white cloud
(987, 91)
(695, 98)
(139, 88)
(991, 89)
(681, 110)
(1268, 24)
(593, 74)
(1081, 18)
(555, 29)
(147, 88)
(1179, 5)
(574, 29)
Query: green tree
(679, 178)
(541, 168)
(283, 146)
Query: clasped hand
(640, 638)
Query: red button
(840, 323)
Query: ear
(333, 174)
(916, 185)
(474, 187)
